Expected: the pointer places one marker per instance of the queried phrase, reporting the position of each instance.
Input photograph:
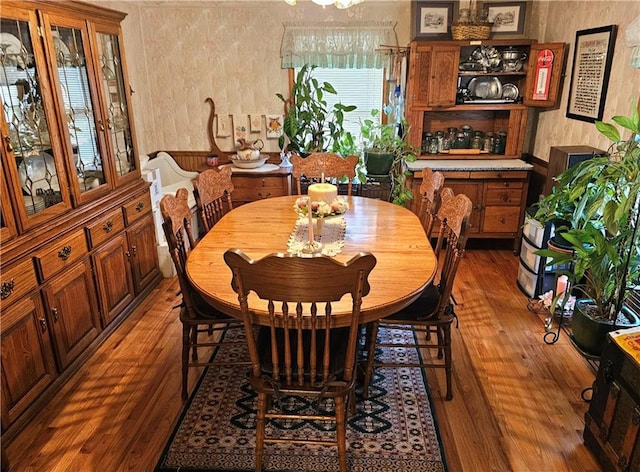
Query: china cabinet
(457, 83)
(77, 242)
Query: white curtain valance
(337, 45)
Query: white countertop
(469, 164)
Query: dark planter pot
(560, 227)
(590, 335)
(378, 164)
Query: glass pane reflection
(24, 113)
(74, 83)
(117, 112)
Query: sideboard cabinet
(77, 242)
(456, 84)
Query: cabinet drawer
(137, 208)
(503, 196)
(17, 280)
(529, 257)
(256, 188)
(253, 194)
(501, 219)
(505, 184)
(61, 254)
(105, 227)
(534, 231)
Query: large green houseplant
(310, 124)
(386, 152)
(600, 201)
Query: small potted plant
(600, 200)
(386, 152)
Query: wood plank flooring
(516, 404)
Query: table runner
(331, 236)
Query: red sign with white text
(544, 63)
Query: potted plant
(600, 200)
(310, 125)
(386, 152)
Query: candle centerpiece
(322, 192)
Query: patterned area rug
(393, 430)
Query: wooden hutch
(78, 249)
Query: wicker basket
(471, 31)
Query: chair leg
(186, 335)
(263, 403)
(370, 346)
(194, 341)
(441, 341)
(448, 363)
(341, 432)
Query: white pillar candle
(310, 215)
(323, 192)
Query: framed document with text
(592, 56)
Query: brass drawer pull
(139, 206)
(7, 289)
(43, 323)
(264, 196)
(108, 226)
(54, 312)
(64, 253)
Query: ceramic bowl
(248, 163)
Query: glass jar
(487, 144)
(499, 143)
(440, 138)
(424, 146)
(477, 141)
(433, 145)
(468, 134)
(459, 142)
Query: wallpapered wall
(558, 22)
(229, 51)
(180, 52)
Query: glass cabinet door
(116, 99)
(78, 99)
(32, 154)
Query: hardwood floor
(516, 404)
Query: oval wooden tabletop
(406, 262)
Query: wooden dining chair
(301, 353)
(212, 191)
(430, 189)
(317, 164)
(196, 315)
(433, 312)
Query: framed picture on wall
(592, 57)
(507, 17)
(432, 20)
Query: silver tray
(489, 88)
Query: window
(360, 87)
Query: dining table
(406, 262)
